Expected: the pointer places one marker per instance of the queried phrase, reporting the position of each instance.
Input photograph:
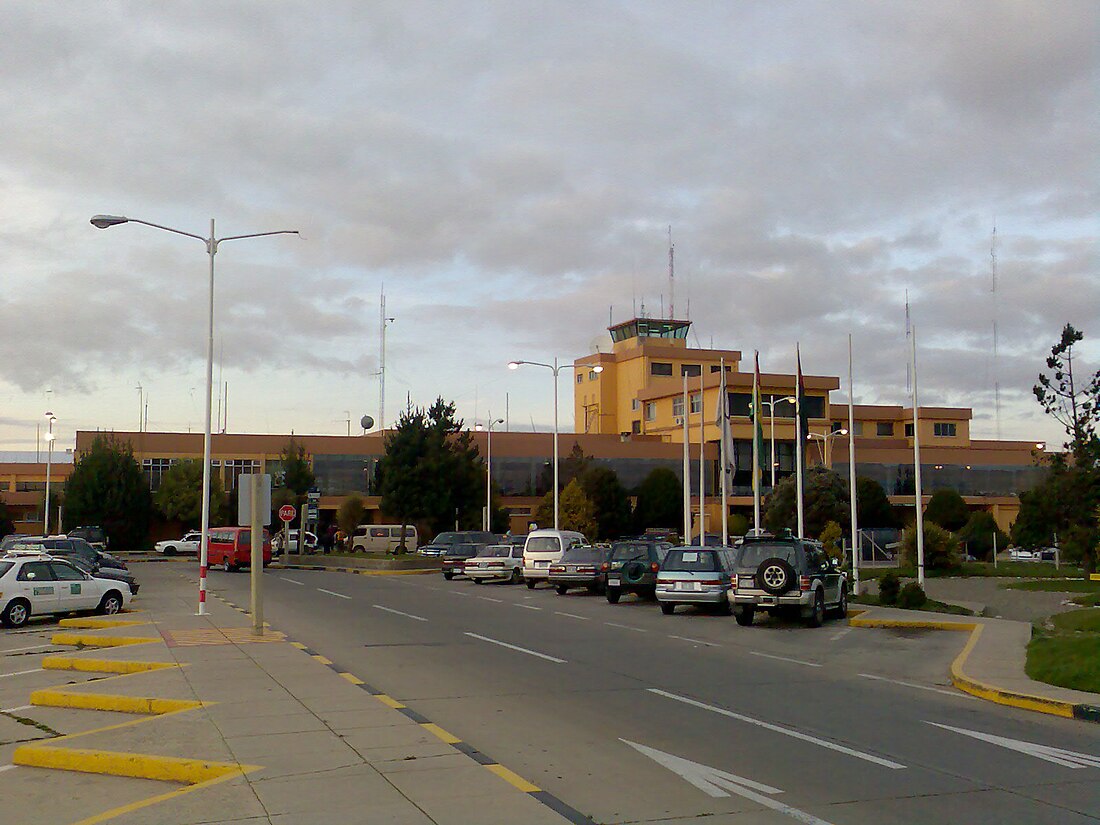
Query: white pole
(49, 461)
(723, 457)
(556, 527)
(918, 500)
(257, 563)
(852, 471)
(995, 549)
(799, 447)
(687, 467)
(488, 472)
(702, 469)
(771, 407)
(204, 541)
(757, 480)
(382, 365)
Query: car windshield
(584, 554)
(5, 566)
(543, 544)
(495, 551)
(623, 551)
(447, 538)
(95, 534)
(754, 553)
(685, 560)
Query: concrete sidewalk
(240, 730)
(991, 665)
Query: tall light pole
(770, 404)
(487, 522)
(515, 365)
(824, 446)
(51, 418)
(212, 242)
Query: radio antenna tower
(996, 373)
(671, 277)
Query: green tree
(575, 511)
(108, 488)
(739, 524)
(872, 504)
(825, 499)
(977, 534)
(297, 472)
(947, 509)
(407, 481)
(660, 501)
(1072, 401)
(609, 502)
(350, 514)
(179, 497)
(941, 548)
(830, 539)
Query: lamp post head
(598, 368)
(513, 365)
(104, 221)
(842, 431)
(499, 421)
(1040, 445)
(478, 428)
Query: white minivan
(383, 538)
(543, 548)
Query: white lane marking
(401, 613)
(956, 694)
(490, 599)
(20, 649)
(528, 606)
(717, 784)
(571, 615)
(783, 659)
(520, 649)
(6, 768)
(825, 743)
(693, 641)
(841, 634)
(1059, 756)
(20, 673)
(340, 595)
(456, 592)
(13, 710)
(292, 581)
(626, 627)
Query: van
(230, 548)
(543, 548)
(385, 538)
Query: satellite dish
(366, 422)
(601, 343)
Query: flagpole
(724, 457)
(702, 473)
(918, 500)
(756, 479)
(798, 439)
(852, 471)
(687, 468)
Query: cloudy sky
(509, 171)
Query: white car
(543, 548)
(188, 544)
(497, 561)
(277, 542)
(34, 584)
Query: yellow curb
(298, 645)
(100, 624)
(446, 736)
(102, 665)
(513, 778)
(88, 640)
(134, 765)
(388, 700)
(415, 572)
(351, 677)
(928, 624)
(322, 659)
(108, 702)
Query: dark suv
(633, 568)
(455, 557)
(787, 574)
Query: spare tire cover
(634, 572)
(775, 576)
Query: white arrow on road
(1059, 756)
(716, 783)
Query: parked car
(581, 566)
(97, 572)
(277, 542)
(438, 546)
(36, 584)
(695, 575)
(93, 534)
(633, 568)
(502, 562)
(72, 546)
(382, 538)
(543, 548)
(188, 544)
(454, 559)
(1020, 554)
(796, 575)
(231, 548)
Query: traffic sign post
(287, 513)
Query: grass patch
(1006, 569)
(1092, 600)
(930, 606)
(1077, 621)
(1067, 661)
(1055, 586)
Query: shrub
(912, 597)
(941, 548)
(888, 587)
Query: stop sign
(287, 512)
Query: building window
(636, 427)
(580, 377)
(658, 368)
(235, 467)
(592, 374)
(696, 402)
(651, 410)
(884, 429)
(857, 428)
(155, 468)
(635, 404)
(944, 429)
(718, 368)
(30, 486)
(691, 370)
(908, 430)
(678, 406)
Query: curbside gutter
(975, 687)
(359, 570)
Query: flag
(760, 462)
(800, 409)
(722, 421)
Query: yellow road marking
(447, 737)
(351, 677)
(388, 700)
(322, 659)
(513, 778)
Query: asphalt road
(631, 716)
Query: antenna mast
(671, 277)
(996, 374)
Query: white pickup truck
(188, 544)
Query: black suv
(786, 574)
(633, 568)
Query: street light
(770, 404)
(515, 365)
(212, 242)
(488, 520)
(51, 418)
(824, 446)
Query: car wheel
(227, 567)
(633, 572)
(841, 609)
(169, 550)
(530, 584)
(110, 604)
(517, 576)
(448, 576)
(613, 594)
(477, 581)
(817, 615)
(16, 613)
(723, 609)
(744, 616)
(668, 608)
(562, 589)
(776, 576)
